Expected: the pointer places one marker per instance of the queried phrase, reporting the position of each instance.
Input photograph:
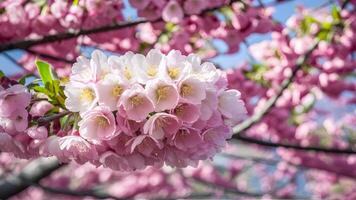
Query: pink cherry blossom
(75, 147)
(186, 138)
(98, 124)
(191, 90)
(40, 108)
(172, 12)
(15, 123)
(40, 132)
(164, 95)
(161, 125)
(188, 113)
(231, 106)
(13, 98)
(136, 103)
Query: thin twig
(50, 118)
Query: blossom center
(127, 73)
(151, 71)
(173, 72)
(102, 122)
(117, 91)
(179, 110)
(87, 94)
(162, 92)
(136, 100)
(186, 90)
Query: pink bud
(37, 132)
(38, 109)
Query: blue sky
(282, 12)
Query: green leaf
(75, 2)
(1, 74)
(335, 13)
(256, 74)
(43, 90)
(306, 24)
(45, 72)
(323, 35)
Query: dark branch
(25, 44)
(77, 193)
(50, 118)
(293, 146)
(32, 173)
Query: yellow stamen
(136, 100)
(102, 122)
(65, 80)
(87, 94)
(173, 72)
(162, 92)
(117, 91)
(186, 90)
(151, 71)
(179, 110)
(127, 73)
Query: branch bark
(77, 193)
(293, 146)
(32, 173)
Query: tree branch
(50, 118)
(31, 173)
(25, 44)
(87, 193)
(293, 146)
(256, 117)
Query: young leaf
(45, 72)
(335, 13)
(1, 74)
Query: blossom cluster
(147, 110)
(17, 134)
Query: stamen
(162, 92)
(117, 91)
(151, 71)
(186, 90)
(179, 110)
(87, 94)
(127, 73)
(173, 72)
(102, 122)
(136, 100)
